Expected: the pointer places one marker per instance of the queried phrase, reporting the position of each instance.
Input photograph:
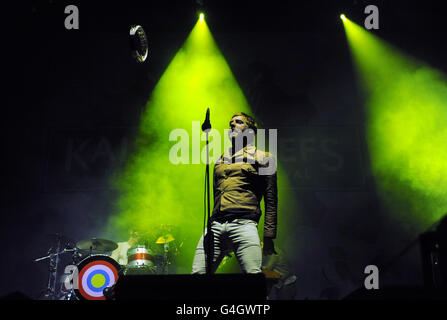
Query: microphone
(207, 124)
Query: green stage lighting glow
(154, 192)
(406, 109)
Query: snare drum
(140, 261)
(95, 273)
(139, 256)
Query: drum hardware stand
(50, 291)
(69, 295)
(165, 258)
(76, 256)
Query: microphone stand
(206, 127)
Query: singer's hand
(269, 247)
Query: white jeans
(240, 236)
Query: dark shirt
(240, 181)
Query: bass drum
(95, 273)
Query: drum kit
(92, 271)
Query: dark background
(74, 97)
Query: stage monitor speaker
(191, 287)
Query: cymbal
(97, 245)
(165, 239)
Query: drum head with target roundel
(95, 273)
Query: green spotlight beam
(153, 191)
(406, 108)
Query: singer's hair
(251, 122)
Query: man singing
(242, 176)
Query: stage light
(201, 17)
(405, 112)
(343, 17)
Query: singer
(238, 190)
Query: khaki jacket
(240, 181)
